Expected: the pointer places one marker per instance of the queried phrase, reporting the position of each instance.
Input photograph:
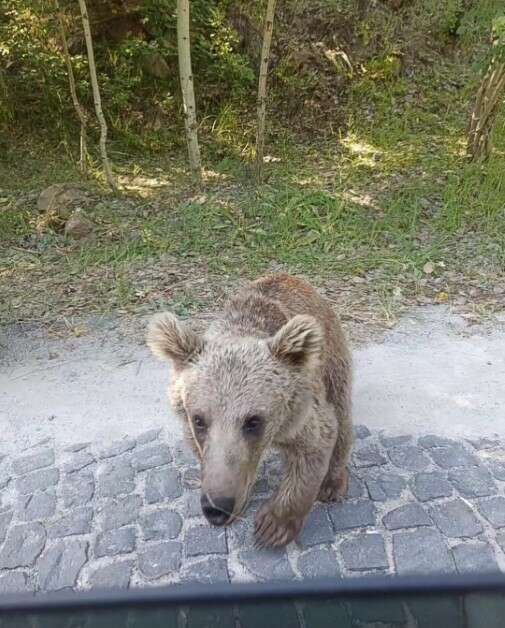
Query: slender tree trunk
(484, 112)
(96, 95)
(262, 88)
(187, 88)
(81, 114)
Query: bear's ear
(169, 339)
(299, 342)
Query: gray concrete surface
(431, 374)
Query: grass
(392, 193)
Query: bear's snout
(217, 511)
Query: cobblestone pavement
(128, 514)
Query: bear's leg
(281, 518)
(334, 486)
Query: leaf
(441, 297)
(428, 268)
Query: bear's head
(237, 395)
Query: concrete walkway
(97, 490)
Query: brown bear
(272, 370)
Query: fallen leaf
(428, 268)
(441, 297)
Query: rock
(316, 529)
(78, 488)
(22, 545)
(14, 582)
(423, 551)
(456, 519)
(203, 540)
(155, 65)
(59, 566)
(494, 511)
(267, 564)
(161, 525)
(114, 576)
(364, 552)
(160, 559)
(117, 513)
(473, 482)
(346, 516)
(113, 542)
(408, 516)
(40, 505)
(31, 462)
(207, 571)
(78, 226)
(76, 521)
(162, 485)
(475, 557)
(318, 563)
(433, 485)
(61, 198)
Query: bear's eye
(252, 425)
(199, 422)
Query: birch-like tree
(96, 95)
(488, 99)
(262, 88)
(79, 109)
(188, 91)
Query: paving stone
(5, 519)
(390, 442)
(204, 540)
(385, 486)
(191, 478)
(77, 447)
(31, 462)
(483, 443)
(78, 461)
(37, 480)
(456, 519)
(209, 571)
(431, 440)
(364, 552)
(347, 515)
(59, 565)
(77, 489)
(161, 524)
(192, 505)
(114, 576)
(5, 477)
(408, 516)
(432, 485)
(14, 582)
(40, 505)
(22, 545)
(267, 564)
(475, 557)
(77, 521)
(162, 485)
(369, 456)
(355, 487)
(115, 478)
(148, 437)
(183, 455)
(150, 457)
(494, 511)
(318, 563)
(497, 468)
(317, 528)
(361, 432)
(114, 542)
(410, 458)
(423, 551)
(454, 456)
(473, 482)
(500, 539)
(120, 512)
(160, 559)
(116, 448)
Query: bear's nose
(217, 511)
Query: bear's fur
(272, 370)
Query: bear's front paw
(273, 529)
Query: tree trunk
(262, 88)
(81, 114)
(96, 95)
(187, 88)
